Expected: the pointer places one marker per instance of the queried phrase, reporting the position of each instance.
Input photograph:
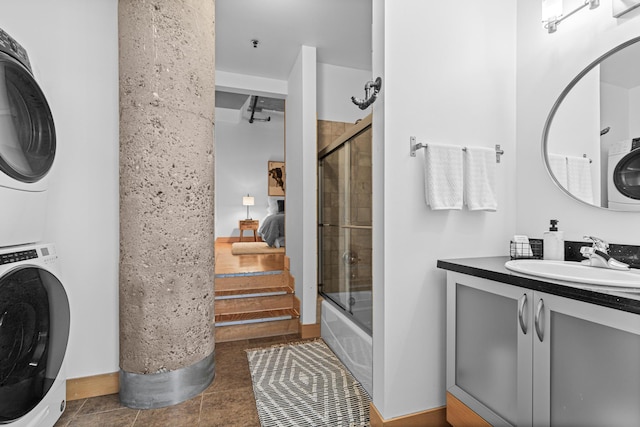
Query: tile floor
(228, 402)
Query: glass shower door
(345, 253)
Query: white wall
(615, 114)
(380, 367)
(448, 76)
(301, 157)
(73, 45)
(546, 64)
(242, 152)
(634, 112)
(336, 86)
(575, 130)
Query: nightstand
(249, 224)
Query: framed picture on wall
(276, 178)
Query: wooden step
(252, 303)
(255, 305)
(256, 316)
(256, 330)
(252, 284)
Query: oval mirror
(591, 140)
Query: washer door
(626, 175)
(34, 330)
(27, 134)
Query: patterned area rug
(305, 384)
(247, 248)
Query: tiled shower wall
(329, 131)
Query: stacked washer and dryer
(623, 181)
(34, 309)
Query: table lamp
(247, 201)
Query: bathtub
(352, 345)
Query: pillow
(272, 205)
(280, 206)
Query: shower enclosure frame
(355, 304)
(346, 322)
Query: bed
(272, 229)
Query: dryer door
(27, 134)
(626, 175)
(34, 330)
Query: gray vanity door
(586, 366)
(489, 348)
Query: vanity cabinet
(521, 357)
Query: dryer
(623, 181)
(34, 331)
(27, 147)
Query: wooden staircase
(255, 305)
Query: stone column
(167, 94)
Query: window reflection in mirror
(592, 128)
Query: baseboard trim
(310, 331)
(430, 418)
(96, 385)
(460, 414)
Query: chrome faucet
(598, 255)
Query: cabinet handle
(521, 306)
(539, 313)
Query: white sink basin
(576, 272)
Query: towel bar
(415, 146)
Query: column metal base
(149, 391)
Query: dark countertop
(493, 268)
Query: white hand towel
(480, 179)
(558, 165)
(579, 182)
(443, 176)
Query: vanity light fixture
(248, 201)
(551, 22)
(620, 7)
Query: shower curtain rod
(415, 146)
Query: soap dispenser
(553, 243)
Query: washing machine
(27, 147)
(34, 330)
(623, 182)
